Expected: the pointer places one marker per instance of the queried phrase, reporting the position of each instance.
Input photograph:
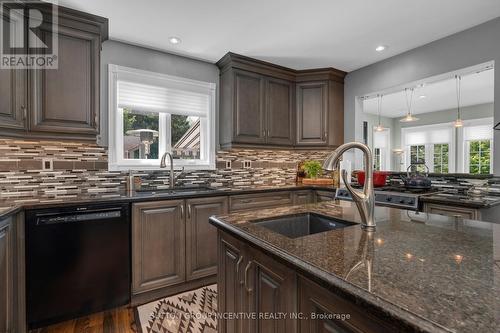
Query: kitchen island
(416, 273)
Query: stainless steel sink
(300, 225)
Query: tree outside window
(377, 159)
(417, 156)
(480, 156)
(441, 158)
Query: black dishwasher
(77, 261)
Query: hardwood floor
(114, 321)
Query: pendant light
(379, 127)
(409, 99)
(459, 122)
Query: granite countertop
(15, 204)
(486, 201)
(433, 273)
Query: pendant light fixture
(459, 122)
(409, 99)
(379, 127)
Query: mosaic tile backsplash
(82, 168)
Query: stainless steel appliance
(77, 261)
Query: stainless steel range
(393, 196)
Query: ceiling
(476, 88)
(293, 33)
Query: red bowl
(379, 178)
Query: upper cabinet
(60, 103)
(265, 105)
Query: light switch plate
(47, 164)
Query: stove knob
(389, 199)
(401, 201)
(411, 202)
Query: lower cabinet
(201, 236)
(173, 242)
(7, 276)
(303, 197)
(249, 282)
(253, 283)
(324, 311)
(12, 295)
(324, 196)
(158, 245)
(453, 211)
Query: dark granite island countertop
(431, 273)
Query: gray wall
(122, 54)
(464, 49)
(441, 117)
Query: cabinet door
(201, 236)
(158, 245)
(65, 101)
(326, 312)
(248, 111)
(312, 114)
(270, 288)
(229, 282)
(279, 112)
(6, 277)
(303, 197)
(13, 93)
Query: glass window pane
(140, 134)
(186, 138)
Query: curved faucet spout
(365, 201)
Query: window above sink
(151, 113)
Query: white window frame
(385, 156)
(429, 147)
(464, 144)
(207, 124)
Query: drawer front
(324, 196)
(461, 212)
(261, 200)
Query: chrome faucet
(365, 201)
(163, 165)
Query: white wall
(474, 46)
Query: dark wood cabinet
(201, 236)
(279, 112)
(324, 311)
(14, 100)
(249, 113)
(312, 114)
(270, 288)
(230, 288)
(265, 105)
(158, 245)
(62, 102)
(242, 202)
(303, 197)
(251, 282)
(7, 305)
(65, 101)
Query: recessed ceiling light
(174, 40)
(380, 48)
(422, 96)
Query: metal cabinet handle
(25, 112)
(268, 133)
(249, 290)
(189, 211)
(263, 133)
(325, 135)
(246, 201)
(238, 269)
(182, 211)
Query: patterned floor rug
(190, 312)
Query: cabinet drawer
(324, 196)
(261, 200)
(452, 211)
